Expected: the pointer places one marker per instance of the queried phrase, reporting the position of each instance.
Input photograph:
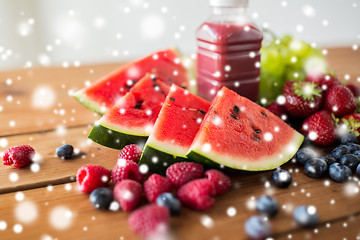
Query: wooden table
(51, 207)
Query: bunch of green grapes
(285, 59)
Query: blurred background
(76, 32)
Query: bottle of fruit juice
(228, 51)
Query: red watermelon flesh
(240, 134)
(134, 114)
(175, 128)
(106, 91)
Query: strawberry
(325, 81)
(340, 101)
(353, 123)
(302, 98)
(278, 109)
(320, 128)
(354, 88)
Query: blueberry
(305, 154)
(348, 138)
(257, 227)
(101, 198)
(281, 178)
(339, 173)
(350, 160)
(306, 216)
(328, 159)
(353, 146)
(339, 151)
(358, 170)
(315, 168)
(267, 205)
(172, 203)
(357, 153)
(65, 151)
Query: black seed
(153, 78)
(155, 85)
(236, 109)
(184, 87)
(138, 105)
(172, 99)
(257, 131)
(211, 108)
(233, 116)
(263, 114)
(202, 111)
(215, 112)
(256, 138)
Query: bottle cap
(228, 3)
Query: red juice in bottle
(228, 51)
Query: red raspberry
(155, 185)
(131, 152)
(128, 194)
(20, 156)
(183, 172)
(126, 169)
(221, 182)
(197, 194)
(89, 177)
(151, 221)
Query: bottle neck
(229, 11)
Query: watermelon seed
(130, 83)
(263, 114)
(215, 112)
(172, 99)
(256, 138)
(257, 131)
(236, 109)
(138, 105)
(202, 111)
(233, 116)
(153, 78)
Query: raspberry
(18, 156)
(221, 182)
(197, 194)
(131, 152)
(151, 221)
(183, 172)
(126, 169)
(128, 194)
(155, 185)
(89, 177)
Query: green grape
(299, 49)
(293, 73)
(271, 61)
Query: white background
(68, 32)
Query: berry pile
(259, 227)
(322, 105)
(339, 165)
(185, 183)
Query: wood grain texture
(64, 111)
(336, 203)
(54, 170)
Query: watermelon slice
(174, 130)
(240, 134)
(132, 118)
(106, 91)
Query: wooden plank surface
(67, 121)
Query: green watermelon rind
(213, 159)
(164, 160)
(91, 105)
(114, 138)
